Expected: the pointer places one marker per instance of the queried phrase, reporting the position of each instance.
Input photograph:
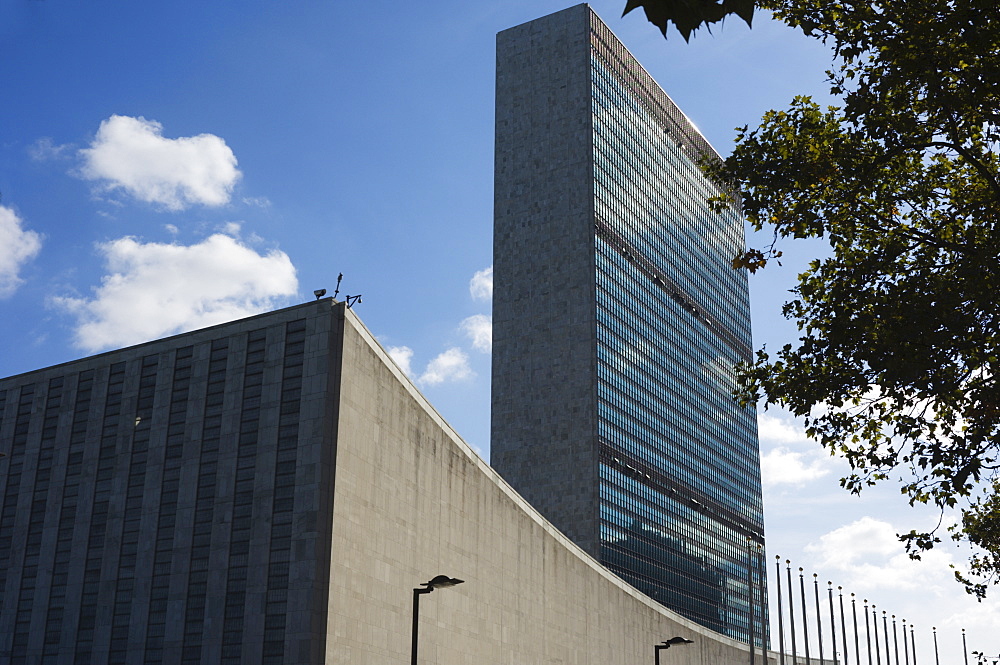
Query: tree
(898, 361)
(689, 15)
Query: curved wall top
(412, 500)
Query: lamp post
(666, 645)
(439, 582)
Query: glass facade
(681, 516)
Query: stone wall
(412, 501)
(544, 404)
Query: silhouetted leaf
(689, 15)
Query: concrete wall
(412, 501)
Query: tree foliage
(898, 362)
(689, 15)
(983, 659)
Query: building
(152, 497)
(617, 321)
(270, 491)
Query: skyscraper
(617, 323)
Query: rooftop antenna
(337, 290)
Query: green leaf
(896, 368)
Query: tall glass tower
(617, 322)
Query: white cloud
(131, 154)
(481, 284)
(17, 247)
(451, 365)
(402, 355)
(865, 558)
(982, 619)
(773, 429)
(479, 328)
(782, 466)
(257, 201)
(870, 557)
(850, 544)
(788, 456)
(154, 289)
(44, 150)
(232, 229)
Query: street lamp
(439, 582)
(666, 645)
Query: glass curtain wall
(681, 513)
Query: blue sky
(165, 166)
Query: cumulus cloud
(132, 155)
(403, 355)
(481, 284)
(789, 457)
(852, 544)
(782, 466)
(451, 365)
(869, 556)
(17, 247)
(155, 289)
(779, 430)
(232, 229)
(479, 328)
(865, 557)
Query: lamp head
(319, 293)
(442, 582)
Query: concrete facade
(321, 487)
(412, 501)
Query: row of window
(242, 519)
(640, 322)
(701, 531)
(634, 77)
(722, 487)
(659, 199)
(625, 285)
(276, 603)
(665, 367)
(67, 515)
(203, 522)
(134, 494)
(698, 263)
(180, 391)
(673, 415)
(673, 548)
(33, 541)
(85, 634)
(108, 455)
